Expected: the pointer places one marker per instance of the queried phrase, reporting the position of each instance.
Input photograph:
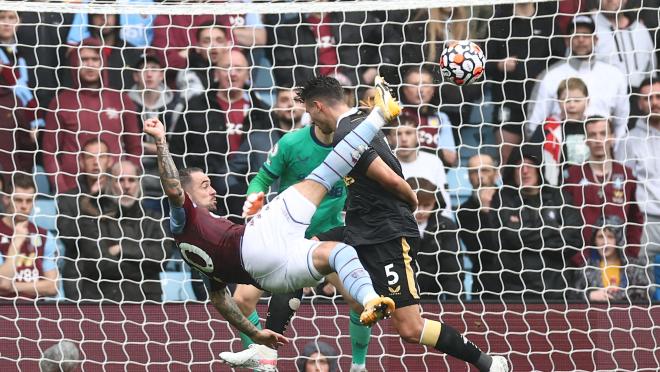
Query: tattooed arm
(223, 301)
(169, 175)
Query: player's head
(198, 186)
(8, 23)
(323, 98)
(425, 191)
(288, 110)
(126, 183)
(405, 138)
(649, 100)
(211, 41)
(233, 71)
(19, 196)
(94, 158)
(149, 73)
(582, 37)
(482, 170)
(600, 137)
(418, 87)
(573, 97)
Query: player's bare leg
(414, 329)
(246, 298)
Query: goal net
(537, 184)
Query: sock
(281, 309)
(254, 319)
(346, 154)
(360, 337)
(344, 260)
(447, 340)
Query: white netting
(513, 269)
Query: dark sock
(447, 340)
(281, 309)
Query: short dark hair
(424, 189)
(22, 180)
(185, 175)
(94, 140)
(597, 118)
(207, 25)
(649, 81)
(321, 87)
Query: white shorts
(274, 250)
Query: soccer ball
(462, 62)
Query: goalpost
(562, 333)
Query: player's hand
(154, 128)
(269, 338)
(253, 204)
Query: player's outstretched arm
(386, 177)
(223, 301)
(169, 175)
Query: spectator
(117, 53)
(561, 141)
(331, 43)
(42, 42)
(608, 96)
(522, 44)
(174, 34)
(121, 248)
(27, 261)
(438, 267)
(420, 101)
(75, 205)
(153, 98)
(17, 104)
(604, 187)
(640, 151)
(83, 112)
(287, 116)
(214, 123)
(199, 76)
(538, 233)
(472, 216)
(61, 357)
(317, 356)
(136, 29)
(610, 275)
(415, 163)
(624, 42)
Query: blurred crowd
(541, 182)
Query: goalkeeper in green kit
(292, 159)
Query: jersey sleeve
(277, 159)
(178, 218)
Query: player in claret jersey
(271, 251)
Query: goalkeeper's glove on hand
(253, 204)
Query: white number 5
(392, 277)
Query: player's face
(317, 362)
(287, 108)
(649, 101)
(605, 242)
(94, 159)
(418, 88)
(528, 174)
(151, 77)
(201, 192)
(212, 43)
(573, 104)
(599, 139)
(20, 203)
(482, 171)
(8, 22)
(90, 66)
(582, 42)
(319, 113)
(233, 71)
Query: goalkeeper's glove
(253, 204)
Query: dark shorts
(390, 265)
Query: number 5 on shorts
(392, 276)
